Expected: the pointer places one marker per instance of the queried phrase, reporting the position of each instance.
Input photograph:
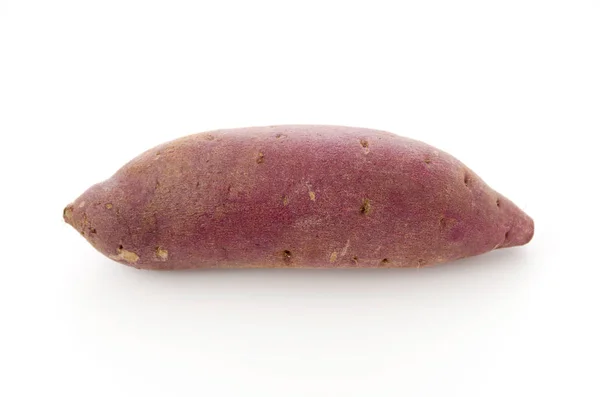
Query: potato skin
(295, 196)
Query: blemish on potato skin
(278, 136)
(108, 206)
(82, 204)
(427, 160)
(85, 223)
(384, 262)
(287, 256)
(124, 255)
(333, 257)
(345, 249)
(68, 213)
(209, 137)
(365, 208)
(285, 200)
(311, 193)
(446, 222)
(365, 145)
(467, 179)
(261, 158)
(443, 222)
(161, 254)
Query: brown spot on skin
(84, 222)
(365, 208)
(261, 158)
(161, 254)
(108, 206)
(280, 136)
(287, 257)
(498, 203)
(443, 222)
(311, 193)
(285, 201)
(355, 260)
(82, 204)
(333, 257)
(467, 179)
(209, 137)
(428, 161)
(420, 263)
(92, 230)
(124, 255)
(384, 262)
(447, 223)
(365, 144)
(68, 213)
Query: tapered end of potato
(75, 217)
(97, 217)
(521, 233)
(520, 226)
(68, 214)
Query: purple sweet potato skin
(295, 196)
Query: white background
(511, 88)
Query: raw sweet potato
(295, 196)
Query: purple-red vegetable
(295, 196)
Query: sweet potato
(295, 196)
